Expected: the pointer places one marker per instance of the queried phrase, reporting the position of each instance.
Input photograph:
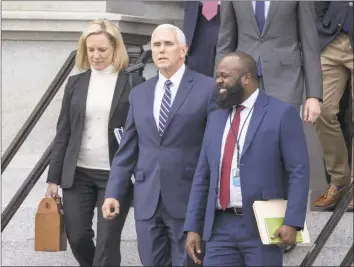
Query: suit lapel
(218, 129)
(250, 10)
(118, 91)
(182, 92)
(80, 95)
(150, 98)
(273, 5)
(82, 91)
(258, 113)
(217, 137)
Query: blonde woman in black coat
(95, 103)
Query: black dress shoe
(289, 248)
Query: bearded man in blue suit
(254, 148)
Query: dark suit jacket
(71, 121)
(162, 166)
(330, 18)
(191, 9)
(276, 168)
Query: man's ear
(185, 49)
(246, 79)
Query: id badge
(236, 177)
(118, 132)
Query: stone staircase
(18, 237)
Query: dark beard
(233, 97)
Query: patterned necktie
(165, 107)
(226, 164)
(210, 9)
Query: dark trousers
(231, 244)
(161, 241)
(79, 203)
(201, 55)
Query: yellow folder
(270, 216)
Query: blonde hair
(120, 54)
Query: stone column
(167, 11)
(80, 6)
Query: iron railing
(328, 229)
(348, 259)
(38, 111)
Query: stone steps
(18, 237)
(22, 226)
(20, 253)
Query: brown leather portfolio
(49, 232)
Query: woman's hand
(52, 190)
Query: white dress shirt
(266, 7)
(235, 191)
(94, 151)
(160, 90)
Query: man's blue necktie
(260, 16)
(165, 107)
(260, 19)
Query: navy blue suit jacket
(330, 18)
(274, 164)
(162, 165)
(191, 9)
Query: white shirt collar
(251, 100)
(175, 79)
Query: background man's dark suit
(201, 36)
(62, 168)
(330, 18)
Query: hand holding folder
(282, 234)
(270, 216)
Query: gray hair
(179, 34)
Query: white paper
(118, 132)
